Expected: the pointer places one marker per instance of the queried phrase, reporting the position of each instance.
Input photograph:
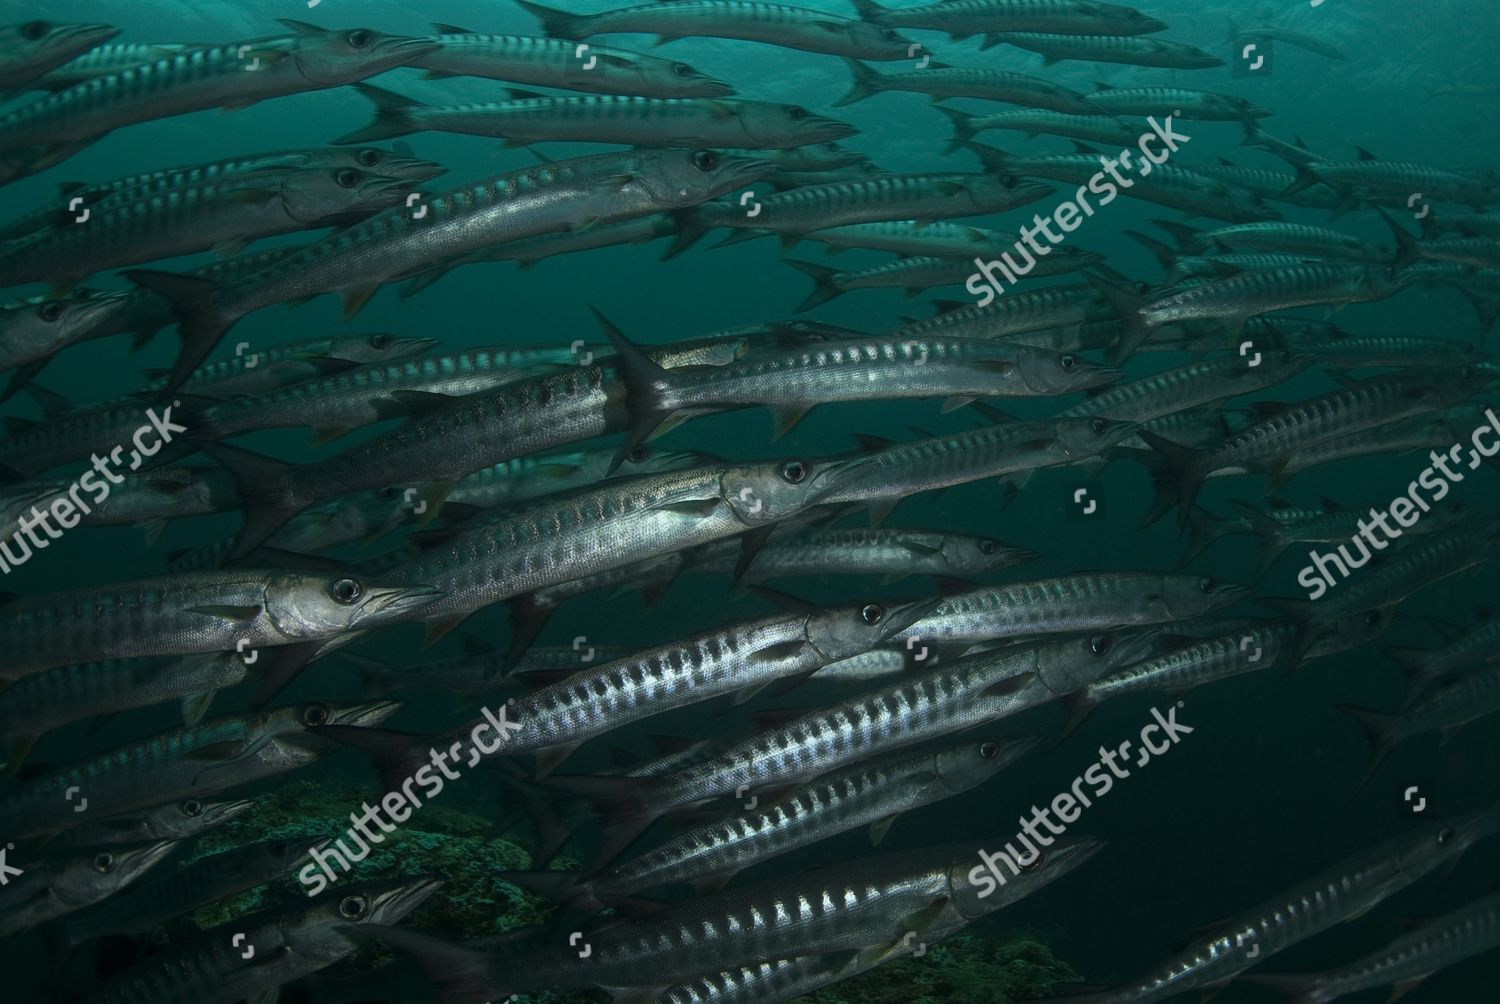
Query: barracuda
(59, 887)
(290, 941)
(872, 794)
(369, 160)
(44, 701)
(629, 119)
(1404, 963)
(191, 762)
(964, 18)
(792, 383)
(1171, 185)
(165, 896)
(270, 369)
(893, 472)
(916, 275)
(793, 214)
(911, 238)
(1205, 382)
(1055, 48)
(226, 611)
(32, 331)
(940, 82)
(311, 59)
(1097, 128)
(774, 24)
(1205, 106)
(615, 524)
(102, 60)
(1291, 238)
(1089, 601)
(890, 553)
(1340, 893)
(1268, 444)
(175, 821)
(33, 48)
(854, 905)
(551, 62)
(402, 241)
(1015, 313)
(185, 219)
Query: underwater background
(1260, 796)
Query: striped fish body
(33, 48)
(1112, 49)
(962, 18)
(1207, 381)
(552, 62)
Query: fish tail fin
(1128, 305)
(567, 889)
(1295, 988)
(825, 288)
(411, 287)
(557, 23)
(866, 84)
(1271, 532)
(395, 755)
(1186, 237)
(1164, 255)
(963, 128)
(1406, 245)
(1177, 481)
(1416, 663)
(622, 801)
(1077, 707)
(869, 10)
(460, 975)
(992, 157)
(1377, 729)
(395, 115)
(1234, 30)
(644, 381)
(264, 494)
(1306, 178)
(690, 230)
(194, 300)
(1202, 530)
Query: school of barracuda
(541, 475)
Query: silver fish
(50, 890)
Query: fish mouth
(411, 48)
(1097, 377)
(737, 172)
(1230, 595)
(828, 130)
(411, 168)
(392, 901)
(228, 810)
(102, 305)
(365, 715)
(93, 34)
(385, 191)
(899, 618)
(142, 858)
(415, 345)
(388, 602)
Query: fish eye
(352, 907)
(1207, 585)
(1068, 362)
(636, 455)
(315, 714)
(347, 178)
(891, 35)
(682, 69)
(988, 751)
(1041, 859)
(369, 157)
(1142, 288)
(872, 613)
(1100, 644)
(103, 861)
(1099, 425)
(192, 807)
(988, 547)
(346, 591)
(794, 472)
(380, 341)
(1372, 618)
(50, 311)
(35, 30)
(1446, 835)
(795, 113)
(358, 38)
(705, 160)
